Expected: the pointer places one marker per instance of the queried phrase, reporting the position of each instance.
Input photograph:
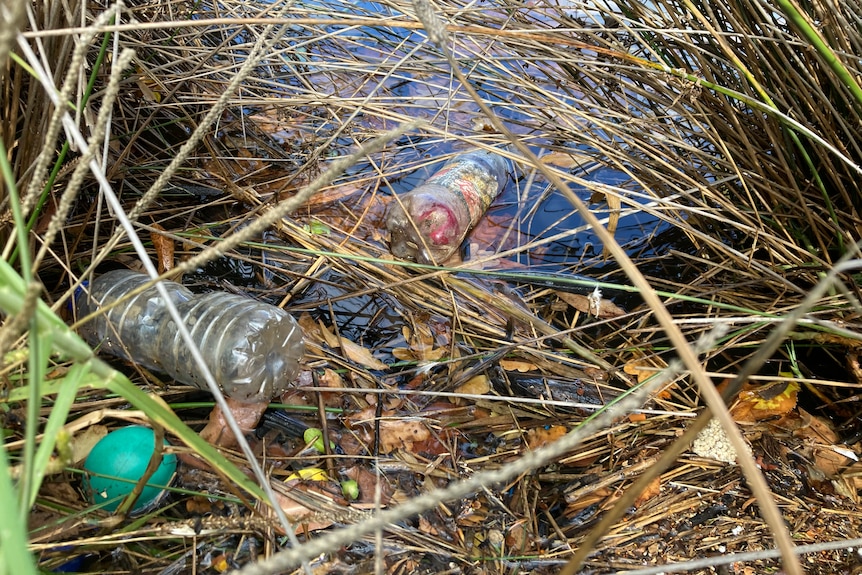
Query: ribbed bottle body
(253, 349)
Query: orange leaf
(641, 368)
(760, 402)
(517, 365)
(164, 249)
(652, 490)
(539, 436)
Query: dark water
(395, 70)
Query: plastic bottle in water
(252, 348)
(429, 223)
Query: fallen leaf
(368, 485)
(425, 526)
(164, 247)
(478, 385)
(539, 436)
(396, 432)
(401, 433)
(820, 441)
(352, 351)
(643, 368)
(651, 490)
(565, 159)
(247, 415)
(587, 304)
(298, 514)
(760, 402)
(518, 365)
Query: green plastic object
(118, 461)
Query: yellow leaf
(309, 474)
(759, 402)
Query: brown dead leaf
(304, 518)
(247, 415)
(761, 402)
(652, 490)
(367, 482)
(539, 436)
(821, 444)
(585, 304)
(518, 365)
(396, 432)
(565, 159)
(420, 342)
(358, 354)
(478, 385)
(352, 351)
(401, 433)
(164, 247)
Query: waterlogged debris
(429, 223)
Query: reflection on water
(331, 86)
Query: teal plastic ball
(118, 461)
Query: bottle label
(471, 183)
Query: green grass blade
(40, 351)
(66, 341)
(66, 394)
(15, 558)
(823, 49)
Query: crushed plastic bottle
(429, 223)
(252, 348)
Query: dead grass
(729, 181)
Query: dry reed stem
(689, 149)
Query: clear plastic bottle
(430, 222)
(252, 348)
